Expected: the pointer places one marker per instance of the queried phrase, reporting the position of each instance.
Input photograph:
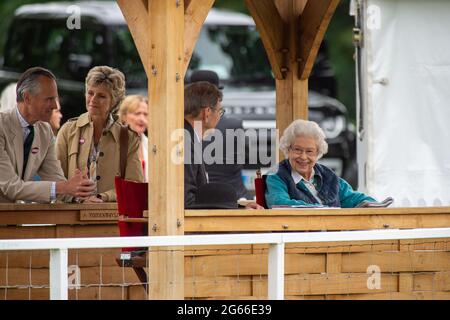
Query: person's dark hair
(28, 81)
(199, 95)
(206, 75)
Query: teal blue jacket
(277, 194)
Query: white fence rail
(59, 248)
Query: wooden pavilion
(291, 31)
(165, 33)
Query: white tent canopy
(404, 152)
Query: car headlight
(333, 126)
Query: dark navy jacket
(332, 190)
(194, 169)
(327, 185)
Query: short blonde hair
(304, 128)
(112, 78)
(130, 104)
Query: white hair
(303, 128)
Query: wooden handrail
(315, 219)
(318, 212)
(58, 213)
(237, 220)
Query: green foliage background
(338, 36)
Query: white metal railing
(59, 248)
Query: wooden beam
(291, 92)
(366, 212)
(313, 24)
(272, 30)
(195, 13)
(136, 15)
(311, 223)
(334, 263)
(166, 172)
(307, 220)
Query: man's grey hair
(29, 81)
(303, 128)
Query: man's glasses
(221, 111)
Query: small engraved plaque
(102, 215)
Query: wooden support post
(291, 92)
(312, 26)
(194, 17)
(303, 27)
(272, 29)
(166, 100)
(136, 15)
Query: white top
(144, 146)
(24, 124)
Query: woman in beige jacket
(91, 142)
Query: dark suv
(228, 44)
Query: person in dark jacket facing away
(300, 180)
(230, 169)
(202, 112)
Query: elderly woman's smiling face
(303, 155)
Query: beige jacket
(73, 147)
(42, 161)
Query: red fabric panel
(132, 200)
(260, 189)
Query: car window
(127, 57)
(235, 53)
(49, 43)
(21, 46)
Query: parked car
(228, 44)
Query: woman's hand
(253, 205)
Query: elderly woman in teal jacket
(300, 180)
